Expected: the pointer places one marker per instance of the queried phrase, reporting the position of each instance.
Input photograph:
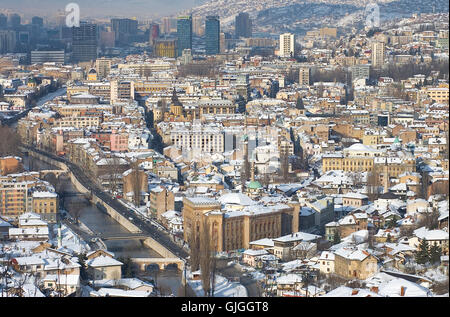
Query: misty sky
(100, 8)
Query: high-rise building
(197, 26)
(103, 67)
(14, 21)
(165, 48)
(304, 75)
(184, 33)
(243, 86)
(37, 21)
(84, 42)
(7, 41)
(3, 21)
(166, 25)
(154, 33)
(223, 43)
(378, 54)
(186, 58)
(124, 29)
(212, 33)
(360, 71)
(243, 25)
(287, 45)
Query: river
(168, 281)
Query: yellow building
(92, 75)
(46, 204)
(354, 264)
(236, 220)
(165, 48)
(439, 94)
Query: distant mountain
(299, 15)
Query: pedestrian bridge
(163, 263)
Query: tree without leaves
(336, 237)
(430, 220)
(194, 248)
(9, 141)
(115, 174)
(284, 166)
(373, 183)
(206, 258)
(136, 182)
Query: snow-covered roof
(265, 242)
(44, 195)
(298, 236)
(289, 279)
(237, 199)
(251, 252)
(115, 292)
(352, 254)
(102, 261)
(424, 233)
(344, 291)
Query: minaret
(245, 166)
(59, 236)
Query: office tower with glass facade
(84, 42)
(212, 34)
(243, 25)
(3, 21)
(184, 33)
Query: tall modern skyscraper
(3, 21)
(154, 33)
(243, 25)
(14, 20)
(7, 41)
(197, 26)
(212, 33)
(84, 45)
(377, 54)
(37, 21)
(124, 30)
(287, 45)
(184, 33)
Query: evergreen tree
(82, 261)
(435, 254)
(422, 255)
(299, 105)
(336, 238)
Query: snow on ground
(436, 275)
(257, 276)
(223, 288)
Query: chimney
(402, 291)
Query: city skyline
(233, 148)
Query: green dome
(254, 185)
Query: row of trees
(428, 254)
